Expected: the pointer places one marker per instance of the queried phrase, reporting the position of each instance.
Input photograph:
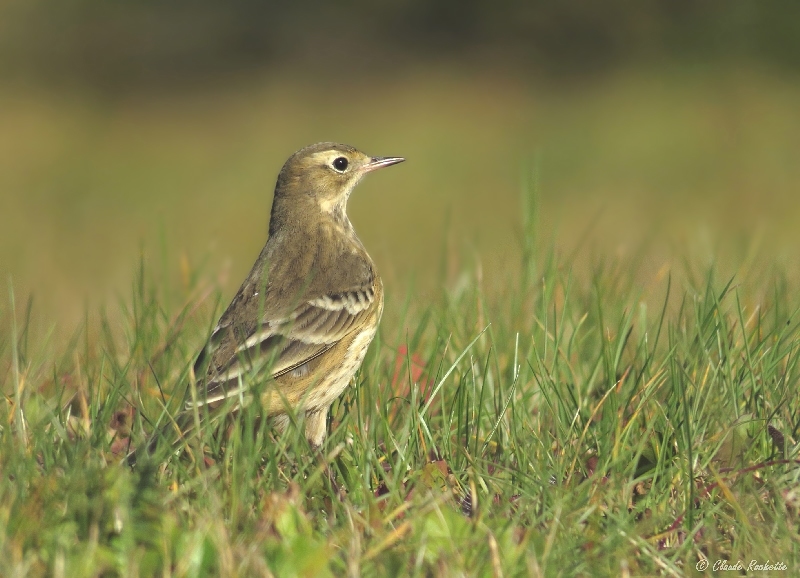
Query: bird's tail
(173, 432)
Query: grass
(664, 152)
(557, 425)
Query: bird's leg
(316, 427)
(316, 430)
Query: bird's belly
(334, 383)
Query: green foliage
(557, 425)
(185, 43)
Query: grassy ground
(560, 425)
(602, 383)
(687, 160)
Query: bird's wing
(280, 343)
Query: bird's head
(326, 174)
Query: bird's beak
(380, 162)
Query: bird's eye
(340, 164)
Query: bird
(299, 326)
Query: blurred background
(157, 129)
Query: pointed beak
(380, 162)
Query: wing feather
(277, 346)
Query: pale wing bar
(287, 344)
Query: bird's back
(328, 291)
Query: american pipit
(300, 324)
